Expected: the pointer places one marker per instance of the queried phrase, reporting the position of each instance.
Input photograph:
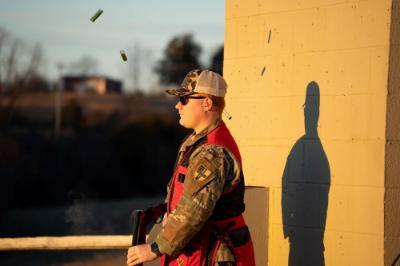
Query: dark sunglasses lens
(183, 100)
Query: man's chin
(182, 123)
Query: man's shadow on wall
(305, 188)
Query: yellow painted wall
(332, 55)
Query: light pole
(58, 100)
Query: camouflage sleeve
(202, 188)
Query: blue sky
(66, 33)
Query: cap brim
(179, 92)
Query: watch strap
(155, 250)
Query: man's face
(191, 113)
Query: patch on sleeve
(202, 173)
(204, 167)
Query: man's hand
(139, 254)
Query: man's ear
(207, 104)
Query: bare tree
(12, 89)
(3, 37)
(19, 72)
(19, 65)
(35, 61)
(11, 61)
(135, 66)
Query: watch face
(154, 249)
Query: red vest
(200, 244)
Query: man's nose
(178, 105)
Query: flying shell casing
(123, 55)
(95, 16)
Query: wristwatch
(155, 250)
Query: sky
(66, 33)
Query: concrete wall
(308, 92)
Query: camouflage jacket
(221, 171)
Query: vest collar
(193, 138)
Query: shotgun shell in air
(123, 55)
(95, 16)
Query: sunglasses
(185, 99)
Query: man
(204, 223)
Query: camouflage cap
(201, 81)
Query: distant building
(94, 84)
